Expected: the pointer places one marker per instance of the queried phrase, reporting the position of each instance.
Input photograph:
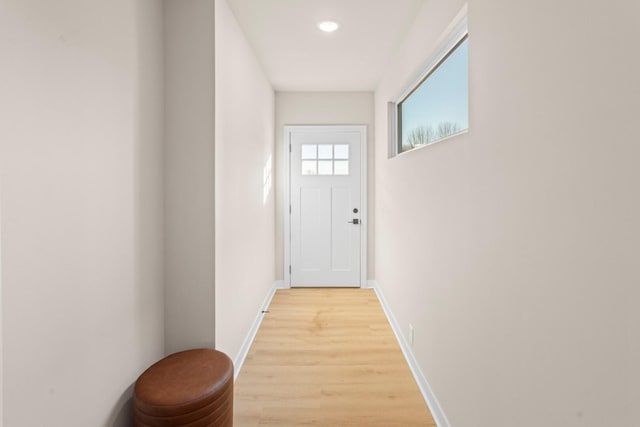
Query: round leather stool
(192, 388)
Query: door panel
(310, 229)
(341, 240)
(325, 190)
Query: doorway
(325, 212)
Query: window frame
(455, 35)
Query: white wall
(80, 164)
(244, 219)
(322, 108)
(513, 249)
(189, 174)
(1, 328)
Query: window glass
(341, 151)
(341, 167)
(439, 106)
(325, 159)
(309, 151)
(309, 167)
(325, 151)
(325, 167)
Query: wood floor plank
(327, 357)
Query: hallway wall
(189, 270)
(1, 317)
(81, 182)
(513, 248)
(322, 108)
(243, 197)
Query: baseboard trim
(427, 393)
(251, 336)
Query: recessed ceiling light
(328, 26)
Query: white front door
(326, 211)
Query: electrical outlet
(411, 334)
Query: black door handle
(355, 221)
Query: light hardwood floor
(327, 357)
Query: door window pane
(325, 167)
(325, 151)
(309, 167)
(309, 151)
(341, 151)
(341, 167)
(325, 159)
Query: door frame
(286, 144)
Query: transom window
(437, 106)
(325, 159)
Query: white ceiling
(297, 56)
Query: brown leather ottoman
(192, 388)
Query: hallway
(327, 357)
(146, 208)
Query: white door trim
(286, 140)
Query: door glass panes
(341, 151)
(309, 151)
(341, 167)
(325, 159)
(309, 167)
(325, 152)
(325, 167)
